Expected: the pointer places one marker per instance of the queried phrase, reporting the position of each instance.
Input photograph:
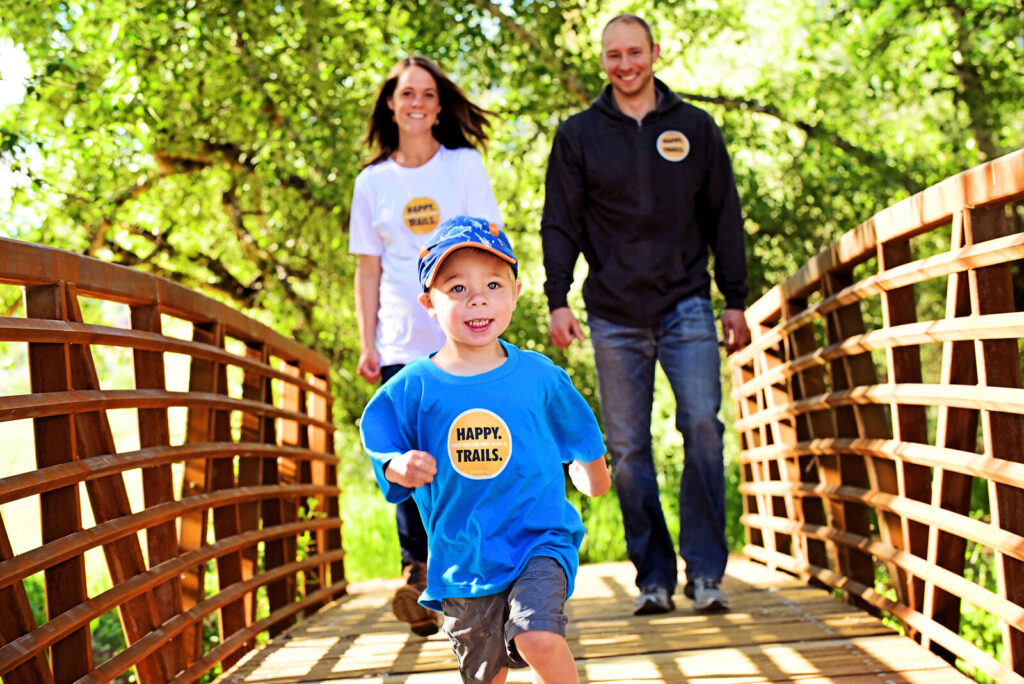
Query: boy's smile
(473, 297)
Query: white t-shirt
(394, 212)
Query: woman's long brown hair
(459, 124)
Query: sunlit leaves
(216, 142)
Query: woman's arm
(367, 288)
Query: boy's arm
(593, 478)
(411, 470)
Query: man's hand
(564, 327)
(734, 330)
(412, 469)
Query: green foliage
(216, 143)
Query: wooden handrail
(27, 264)
(257, 504)
(861, 439)
(59, 332)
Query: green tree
(216, 143)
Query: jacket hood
(666, 101)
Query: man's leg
(624, 358)
(689, 354)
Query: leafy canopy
(216, 142)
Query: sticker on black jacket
(673, 146)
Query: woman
(427, 168)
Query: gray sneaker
(706, 595)
(656, 600)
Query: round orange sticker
(479, 444)
(673, 146)
(421, 215)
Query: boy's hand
(592, 478)
(412, 469)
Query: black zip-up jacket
(645, 207)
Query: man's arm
(560, 230)
(722, 221)
(564, 327)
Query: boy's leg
(485, 631)
(535, 629)
(476, 629)
(548, 655)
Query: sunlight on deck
(778, 629)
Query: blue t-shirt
(500, 439)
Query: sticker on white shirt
(479, 444)
(673, 146)
(421, 215)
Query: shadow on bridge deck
(779, 629)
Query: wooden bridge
(880, 403)
(779, 629)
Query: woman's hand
(369, 366)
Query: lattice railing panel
(220, 504)
(880, 404)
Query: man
(641, 184)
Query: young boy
(477, 434)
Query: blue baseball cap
(458, 232)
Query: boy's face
(473, 297)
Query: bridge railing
(880, 404)
(190, 444)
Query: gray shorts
(482, 629)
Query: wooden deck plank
(778, 630)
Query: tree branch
(243, 295)
(225, 283)
(812, 130)
(564, 72)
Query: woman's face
(415, 102)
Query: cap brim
(477, 245)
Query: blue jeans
(412, 537)
(685, 342)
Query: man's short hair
(632, 18)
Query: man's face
(627, 57)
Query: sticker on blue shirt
(479, 444)
(673, 146)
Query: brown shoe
(405, 604)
